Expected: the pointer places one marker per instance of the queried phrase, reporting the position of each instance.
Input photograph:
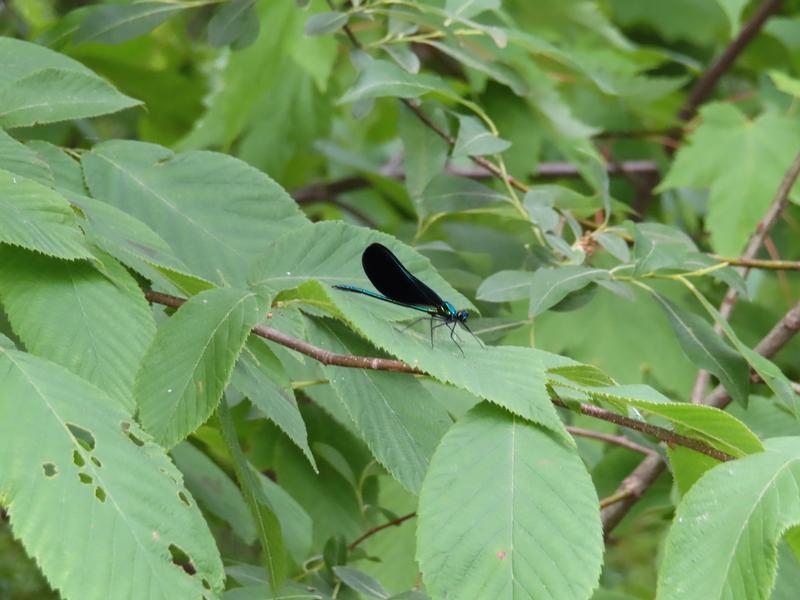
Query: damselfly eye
(463, 315)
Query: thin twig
(393, 523)
(608, 438)
(665, 435)
(705, 85)
(760, 263)
(631, 489)
(387, 364)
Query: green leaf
(498, 532)
(465, 9)
(67, 312)
(733, 10)
(37, 218)
(65, 170)
(136, 246)
(731, 522)
(614, 244)
(450, 194)
(551, 286)
(381, 78)
(742, 163)
(38, 85)
(294, 522)
(708, 351)
(189, 363)
(330, 253)
(117, 23)
(218, 213)
(394, 414)
(786, 84)
(586, 375)
(234, 22)
(404, 56)
(717, 427)
(658, 248)
(53, 95)
(506, 286)
(269, 528)
(83, 469)
(214, 490)
(261, 377)
(766, 369)
(360, 582)
(21, 160)
(425, 153)
(475, 140)
(325, 22)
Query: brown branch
(631, 489)
(651, 467)
(608, 438)
(322, 192)
(387, 364)
(704, 86)
(660, 433)
(324, 356)
(760, 263)
(393, 523)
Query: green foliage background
(182, 182)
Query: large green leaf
(117, 23)
(708, 351)
(731, 522)
(217, 212)
(261, 377)
(21, 160)
(393, 413)
(382, 78)
(190, 361)
(742, 162)
(330, 253)
(524, 522)
(214, 490)
(38, 85)
(68, 312)
(76, 467)
(136, 246)
(37, 218)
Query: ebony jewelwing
(398, 286)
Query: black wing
(393, 280)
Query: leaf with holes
(735, 541)
(492, 522)
(65, 311)
(84, 470)
(190, 361)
